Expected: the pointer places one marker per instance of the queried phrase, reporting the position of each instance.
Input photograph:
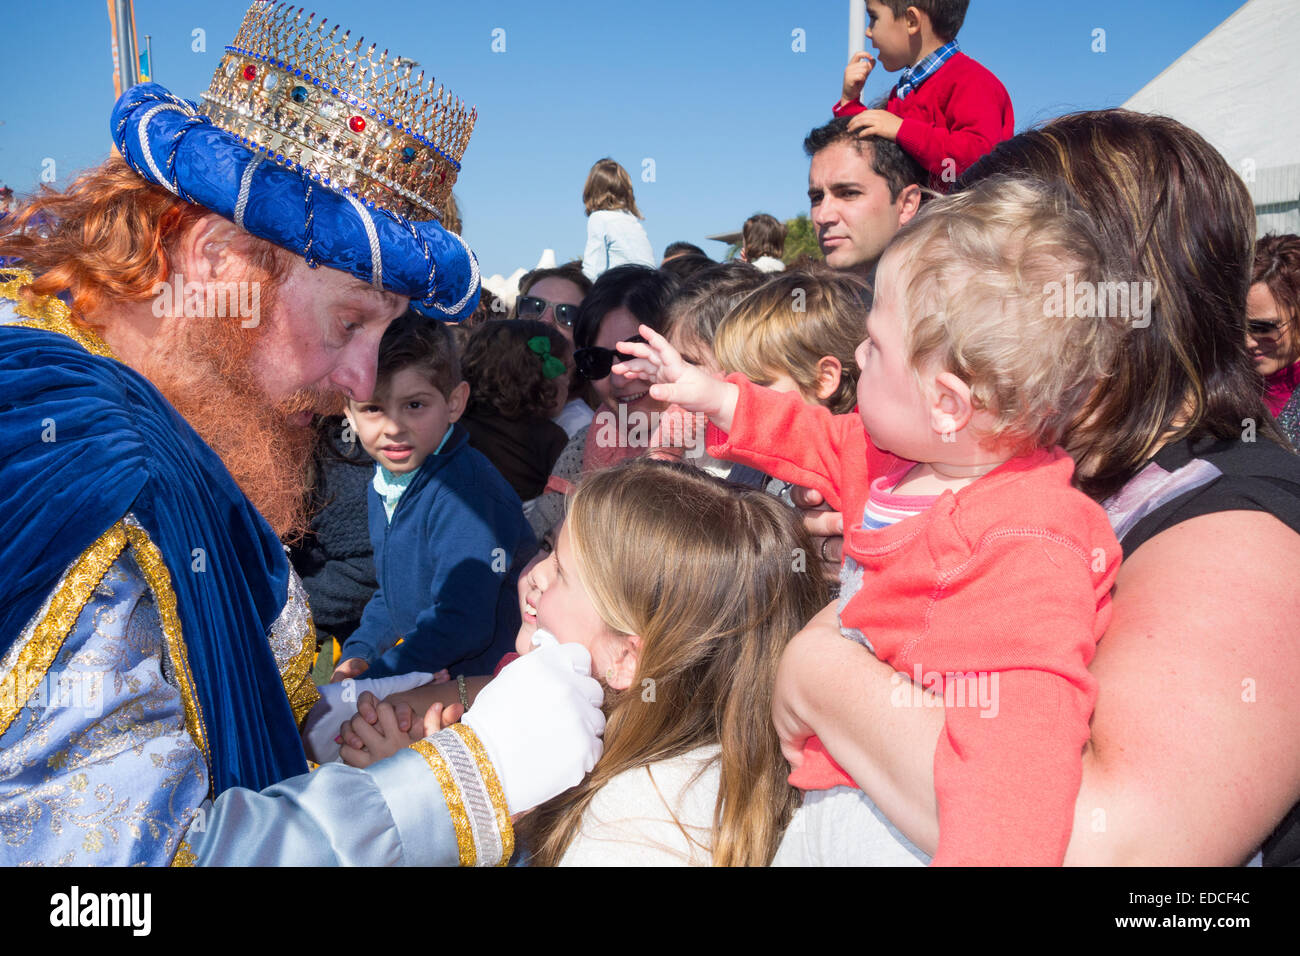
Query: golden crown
(362, 126)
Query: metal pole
(857, 26)
(128, 63)
(148, 56)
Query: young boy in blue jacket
(448, 531)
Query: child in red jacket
(946, 110)
(973, 567)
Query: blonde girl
(685, 590)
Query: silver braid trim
(245, 187)
(140, 130)
(376, 258)
(473, 280)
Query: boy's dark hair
(682, 248)
(888, 160)
(763, 235)
(643, 291)
(507, 377)
(687, 267)
(946, 16)
(569, 272)
(413, 341)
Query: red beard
(207, 376)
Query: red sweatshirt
(1009, 577)
(961, 111)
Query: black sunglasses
(1265, 328)
(530, 306)
(595, 363)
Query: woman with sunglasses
(1272, 309)
(554, 296)
(622, 298)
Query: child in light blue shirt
(615, 236)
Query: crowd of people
(935, 550)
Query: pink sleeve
(780, 434)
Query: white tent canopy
(1238, 88)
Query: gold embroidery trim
(54, 627)
(159, 579)
(298, 685)
(494, 789)
(455, 802)
(47, 313)
(184, 856)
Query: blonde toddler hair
(790, 323)
(980, 286)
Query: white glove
(540, 722)
(338, 702)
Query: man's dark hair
(643, 291)
(413, 341)
(682, 249)
(946, 16)
(888, 160)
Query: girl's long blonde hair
(609, 186)
(715, 579)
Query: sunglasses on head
(595, 363)
(530, 307)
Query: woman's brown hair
(1171, 211)
(715, 580)
(609, 187)
(1277, 266)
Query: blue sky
(714, 93)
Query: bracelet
(464, 694)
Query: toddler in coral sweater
(974, 567)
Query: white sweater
(615, 237)
(634, 819)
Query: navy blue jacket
(447, 567)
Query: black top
(1253, 476)
(523, 451)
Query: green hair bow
(551, 366)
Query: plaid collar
(913, 76)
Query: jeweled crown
(301, 95)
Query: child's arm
(675, 381)
(758, 421)
(373, 636)
(788, 704)
(855, 78)
(475, 554)
(974, 122)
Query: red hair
(110, 236)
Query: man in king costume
(154, 643)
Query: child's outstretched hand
(855, 76)
(677, 382)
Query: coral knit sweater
(961, 112)
(1009, 577)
